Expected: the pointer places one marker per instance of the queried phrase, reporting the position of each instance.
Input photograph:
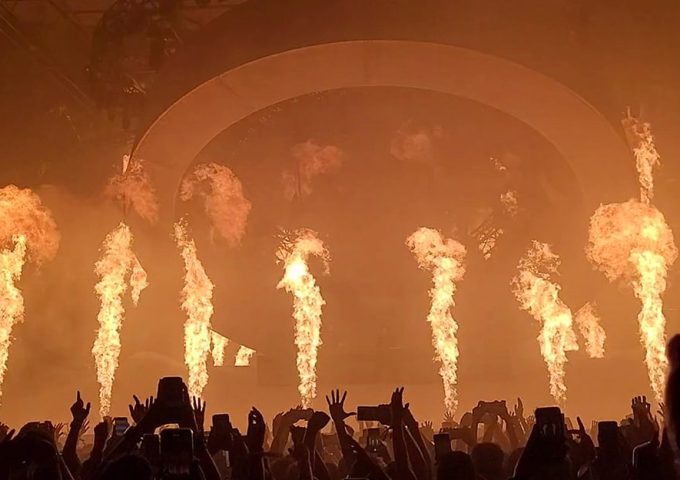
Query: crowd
(168, 439)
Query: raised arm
(336, 408)
(79, 413)
(398, 439)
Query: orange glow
(631, 241)
(27, 232)
(243, 356)
(444, 258)
(307, 304)
(12, 312)
(117, 262)
(132, 188)
(224, 202)
(197, 304)
(538, 294)
(640, 137)
(589, 325)
(219, 344)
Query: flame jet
(444, 258)
(539, 295)
(219, 344)
(307, 304)
(243, 356)
(197, 304)
(117, 268)
(589, 325)
(631, 241)
(27, 232)
(641, 140)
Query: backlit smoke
(588, 323)
(538, 294)
(641, 140)
(509, 202)
(632, 242)
(117, 267)
(294, 253)
(415, 144)
(311, 160)
(196, 300)
(219, 344)
(224, 202)
(132, 188)
(443, 257)
(243, 356)
(27, 230)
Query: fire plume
(588, 324)
(307, 304)
(117, 268)
(196, 299)
(243, 356)
(132, 188)
(224, 201)
(538, 294)
(631, 241)
(219, 344)
(443, 257)
(641, 140)
(27, 232)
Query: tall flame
(632, 241)
(27, 231)
(444, 258)
(197, 303)
(132, 188)
(243, 356)
(219, 344)
(641, 140)
(11, 300)
(539, 295)
(588, 324)
(117, 263)
(307, 304)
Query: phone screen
(373, 438)
(120, 425)
(177, 450)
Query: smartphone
(372, 439)
(550, 422)
(608, 434)
(457, 433)
(442, 445)
(120, 425)
(177, 451)
(171, 391)
(151, 447)
(379, 413)
(221, 421)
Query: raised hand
(519, 409)
(199, 412)
(58, 431)
(317, 422)
(336, 406)
(139, 409)
(80, 411)
(397, 405)
(641, 407)
(256, 431)
(448, 419)
(101, 433)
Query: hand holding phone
(442, 445)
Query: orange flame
(219, 344)
(640, 137)
(307, 304)
(27, 229)
(589, 325)
(11, 300)
(243, 356)
(539, 295)
(132, 188)
(117, 262)
(444, 258)
(632, 241)
(224, 202)
(197, 303)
